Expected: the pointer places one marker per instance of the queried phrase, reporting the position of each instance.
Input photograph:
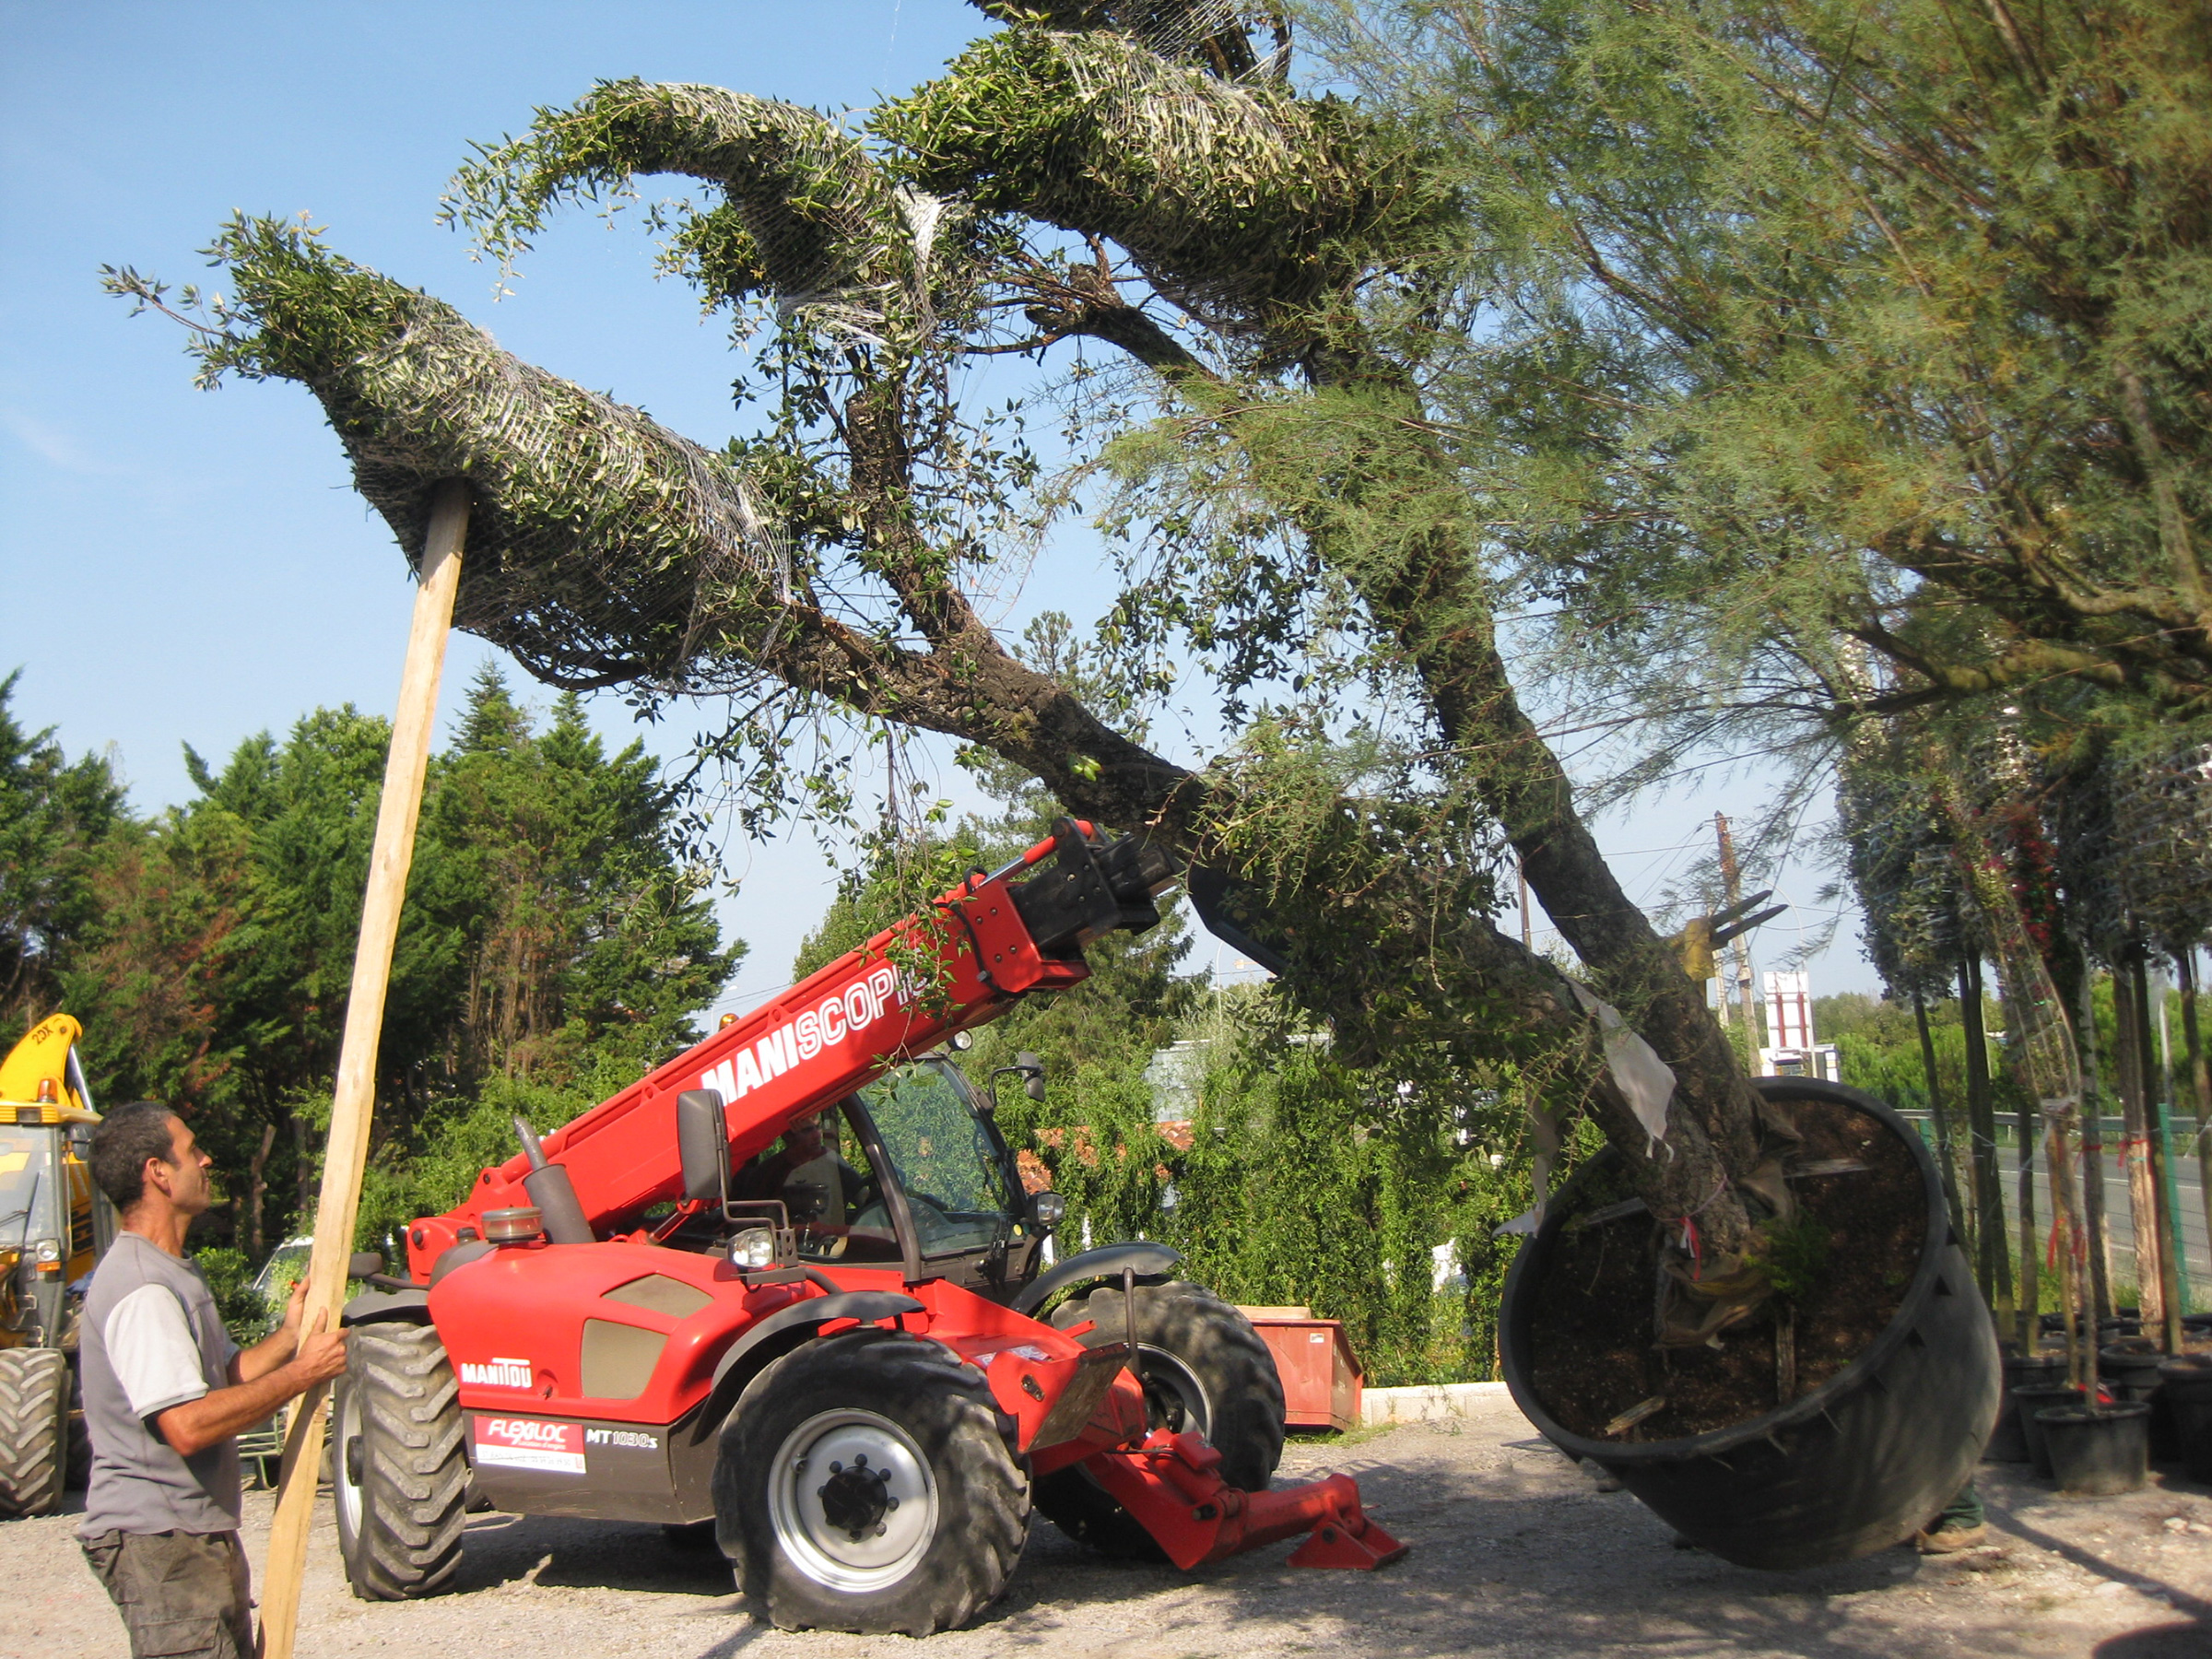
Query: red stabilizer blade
(1334, 1544)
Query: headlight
(47, 1253)
(755, 1247)
(1047, 1210)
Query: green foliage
(602, 546)
(230, 1275)
(55, 818)
(555, 943)
(1815, 316)
(1239, 196)
(1792, 1254)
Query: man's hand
(295, 1309)
(321, 1352)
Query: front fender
(777, 1335)
(1146, 1258)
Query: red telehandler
(852, 1365)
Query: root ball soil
(1591, 1337)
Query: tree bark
(2092, 1156)
(257, 1187)
(1941, 1114)
(2200, 1079)
(2142, 1183)
(2165, 1269)
(1995, 1252)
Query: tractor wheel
(863, 1484)
(400, 1472)
(1204, 1369)
(34, 1431)
(79, 1474)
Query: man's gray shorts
(180, 1593)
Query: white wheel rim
(852, 1447)
(1167, 1372)
(347, 1426)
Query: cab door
(964, 1208)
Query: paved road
(2120, 1217)
(1515, 1556)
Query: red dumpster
(1321, 1375)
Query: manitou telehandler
(840, 1362)
(53, 1227)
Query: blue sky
(188, 568)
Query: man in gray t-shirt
(166, 1393)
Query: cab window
(943, 1159)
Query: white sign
(1789, 1010)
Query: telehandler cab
(54, 1226)
(844, 1355)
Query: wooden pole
(355, 1097)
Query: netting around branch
(601, 547)
(1240, 202)
(1900, 864)
(2161, 791)
(809, 216)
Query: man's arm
(221, 1413)
(278, 1345)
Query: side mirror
(1028, 1067)
(363, 1262)
(702, 1143)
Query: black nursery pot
(2186, 1387)
(2130, 1370)
(2007, 1443)
(2027, 1406)
(1863, 1461)
(2098, 1450)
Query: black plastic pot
(1863, 1461)
(2130, 1370)
(2006, 1443)
(2028, 1403)
(2098, 1450)
(2186, 1385)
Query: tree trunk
(2164, 1269)
(303, 1171)
(2134, 1159)
(2200, 1080)
(2030, 1250)
(2065, 1205)
(1994, 1253)
(2099, 1238)
(1941, 1113)
(1434, 598)
(257, 1188)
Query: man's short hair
(122, 1141)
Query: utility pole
(1732, 892)
(1521, 870)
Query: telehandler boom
(854, 1370)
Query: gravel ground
(1514, 1552)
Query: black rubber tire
(34, 1431)
(962, 1459)
(1189, 1342)
(403, 1492)
(79, 1474)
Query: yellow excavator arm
(37, 1070)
